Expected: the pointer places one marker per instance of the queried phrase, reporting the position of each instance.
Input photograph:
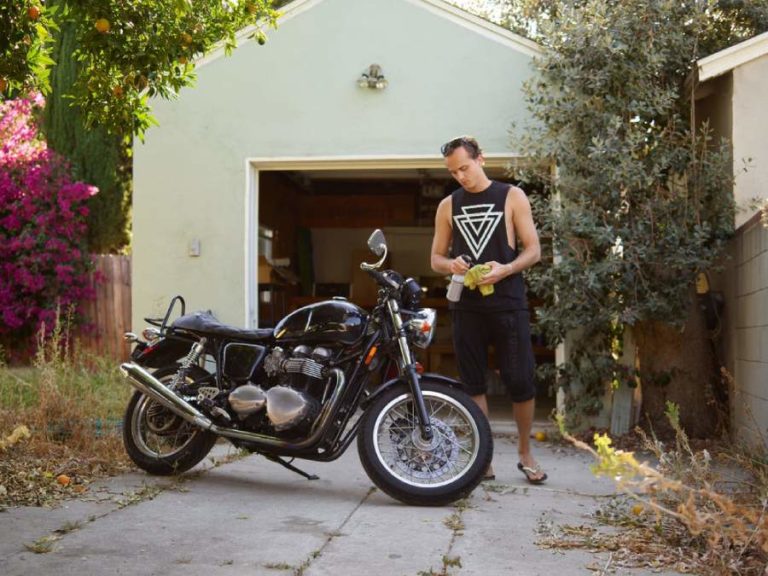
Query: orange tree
(25, 31)
(100, 62)
(127, 51)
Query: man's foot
(532, 472)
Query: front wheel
(157, 440)
(415, 471)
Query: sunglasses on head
(466, 142)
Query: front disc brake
(420, 458)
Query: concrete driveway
(250, 516)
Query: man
(487, 220)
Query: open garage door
(313, 225)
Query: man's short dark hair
(467, 142)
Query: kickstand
(292, 468)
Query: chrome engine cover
(287, 407)
(247, 400)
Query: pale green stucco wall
(297, 96)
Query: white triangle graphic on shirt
(476, 225)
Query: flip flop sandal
(531, 473)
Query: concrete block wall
(747, 307)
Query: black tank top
(480, 232)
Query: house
(730, 95)
(270, 132)
(258, 190)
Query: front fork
(409, 366)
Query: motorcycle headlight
(422, 327)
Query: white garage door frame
(254, 166)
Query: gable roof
(726, 60)
(440, 8)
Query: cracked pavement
(252, 516)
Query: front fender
(426, 377)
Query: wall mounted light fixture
(373, 78)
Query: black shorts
(510, 335)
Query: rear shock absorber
(191, 358)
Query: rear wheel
(159, 441)
(415, 471)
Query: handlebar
(382, 278)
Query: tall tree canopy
(725, 22)
(643, 199)
(127, 51)
(100, 62)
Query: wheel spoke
(442, 459)
(149, 421)
(454, 442)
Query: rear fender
(165, 351)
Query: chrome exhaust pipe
(150, 386)
(147, 384)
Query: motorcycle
(326, 374)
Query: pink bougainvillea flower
(44, 264)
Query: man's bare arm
(441, 243)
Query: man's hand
(497, 272)
(459, 266)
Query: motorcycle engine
(297, 380)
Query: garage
(312, 232)
(298, 149)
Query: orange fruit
(3, 84)
(540, 436)
(63, 480)
(638, 509)
(102, 25)
(117, 91)
(33, 12)
(186, 39)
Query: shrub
(691, 512)
(43, 264)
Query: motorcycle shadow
(258, 477)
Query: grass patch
(42, 545)
(278, 566)
(60, 424)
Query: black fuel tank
(332, 321)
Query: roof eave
(441, 7)
(726, 60)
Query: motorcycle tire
(413, 471)
(144, 419)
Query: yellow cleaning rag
(474, 275)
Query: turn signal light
(371, 354)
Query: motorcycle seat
(206, 323)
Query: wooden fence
(108, 316)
